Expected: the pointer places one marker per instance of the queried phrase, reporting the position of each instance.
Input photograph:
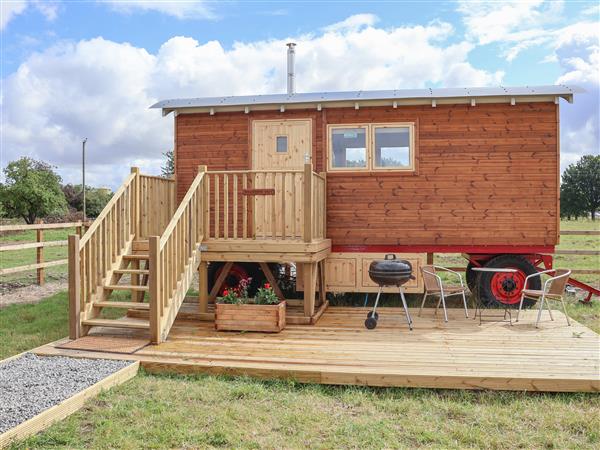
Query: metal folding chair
(435, 286)
(554, 289)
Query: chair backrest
(431, 282)
(558, 284)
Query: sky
(91, 69)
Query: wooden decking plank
(339, 350)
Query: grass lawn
(154, 411)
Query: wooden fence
(40, 265)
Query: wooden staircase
(140, 244)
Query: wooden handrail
(180, 210)
(111, 203)
(174, 257)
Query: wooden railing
(174, 258)
(265, 204)
(92, 258)
(157, 204)
(40, 265)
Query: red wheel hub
(507, 287)
(233, 278)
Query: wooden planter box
(265, 318)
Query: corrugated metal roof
(357, 96)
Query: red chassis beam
(471, 249)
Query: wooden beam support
(203, 286)
(310, 279)
(220, 280)
(271, 278)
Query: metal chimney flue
(291, 76)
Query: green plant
(266, 296)
(230, 297)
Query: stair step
(127, 305)
(133, 271)
(120, 323)
(125, 287)
(138, 256)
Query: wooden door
(279, 145)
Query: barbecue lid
(391, 264)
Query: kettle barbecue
(389, 272)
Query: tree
(95, 198)
(168, 170)
(580, 188)
(31, 190)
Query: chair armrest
(445, 269)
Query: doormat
(105, 344)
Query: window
(392, 147)
(281, 144)
(349, 148)
(372, 147)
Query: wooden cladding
(484, 174)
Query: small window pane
(282, 144)
(349, 146)
(392, 147)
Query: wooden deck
(338, 350)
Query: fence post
(307, 203)
(154, 288)
(136, 201)
(74, 288)
(40, 256)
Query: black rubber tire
(512, 261)
(252, 270)
(370, 314)
(471, 277)
(370, 323)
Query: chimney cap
(291, 44)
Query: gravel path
(30, 384)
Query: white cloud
(577, 49)
(9, 9)
(189, 9)
(353, 23)
(83, 89)
(48, 8)
(516, 25)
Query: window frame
(330, 129)
(370, 147)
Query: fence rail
(40, 265)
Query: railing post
(324, 212)
(154, 288)
(202, 217)
(74, 288)
(136, 201)
(307, 203)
